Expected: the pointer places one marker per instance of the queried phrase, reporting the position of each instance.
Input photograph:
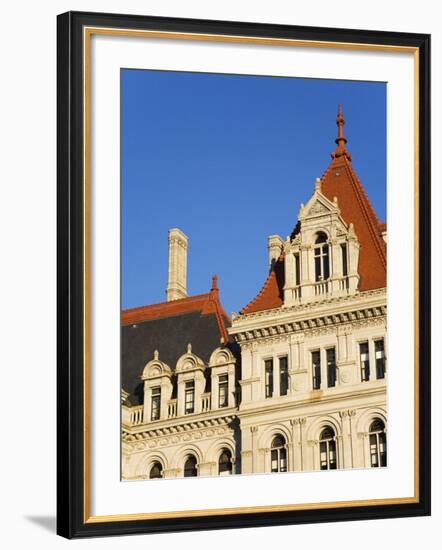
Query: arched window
(327, 449)
(190, 467)
(156, 472)
(278, 454)
(378, 444)
(322, 262)
(225, 463)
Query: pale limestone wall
(247, 430)
(205, 442)
(299, 416)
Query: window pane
(274, 461)
(380, 358)
(155, 403)
(316, 369)
(223, 384)
(327, 433)
(318, 273)
(269, 377)
(297, 270)
(331, 367)
(156, 471)
(225, 463)
(344, 260)
(365, 361)
(278, 441)
(190, 467)
(325, 262)
(283, 376)
(283, 460)
(321, 238)
(189, 407)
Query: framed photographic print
(243, 274)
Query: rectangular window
(189, 400)
(283, 376)
(316, 369)
(331, 367)
(365, 361)
(297, 270)
(379, 354)
(344, 260)
(326, 263)
(156, 403)
(318, 271)
(269, 377)
(223, 390)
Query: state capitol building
(296, 381)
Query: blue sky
(228, 159)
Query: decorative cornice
(315, 325)
(152, 439)
(308, 307)
(175, 426)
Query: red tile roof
(271, 294)
(207, 304)
(340, 181)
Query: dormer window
(156, 403)
(322, 262)
(189, 395)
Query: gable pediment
(317, 206)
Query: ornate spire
(214, 282)
(341, 150)
(214, 291)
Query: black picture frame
(72, 520)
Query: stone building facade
(296, 381)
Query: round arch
(367, 417)
(315, 429)
(267, 436)
(213, 452)
(146, 462)
(183, 452)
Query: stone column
(353, 438)
(246, 373)
(207, 468)
(290, 283)
(307, 272)
(294, 458)
(353, 260)
(297, 425)
(180, 397)
(171, 473)
(346, 459)
(258, 382)
(336, 266)
(302, 448)
(254, 434)
(231, 392)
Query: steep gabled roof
(271, 294)
(340, 181)
(205, 304)
(168, 328)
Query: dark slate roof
(170, 336)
